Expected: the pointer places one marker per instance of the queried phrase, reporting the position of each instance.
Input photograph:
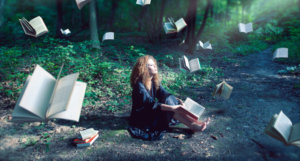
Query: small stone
(212, 147)
(37, 157)
(144, 146)
(36, 124)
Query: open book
(65, 32)
(81, 3)
(281, 128)
(172, 26)
(193, 109)
(280, 53)
(223, 90)
(35, 27)
(189, 66)
(206, 45)
(43, 97)
(245, 28)
(108, 36)
(143, 2)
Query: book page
(139, 2)
(20, 112)
(38, 92)
(282, 52)
(169, 26)
(295, 133)
(283, 125)
(194, 65)
(108, 36)
(217, 89)
(180, 24)
(226, 90)
(193, 107)
(242, 27)
(28, 26)
(81, 3)
(172, 23)
(249, 27)
(26, 31)
(62, 94)
(186, 63)
(269, 130)
(38, 25)
(74, 107)
(201, 44)
(147, 2)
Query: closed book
(80, 140)
(88, 143)
(88, 133)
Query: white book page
(74, 108)
(242, 27)
(295, 133)
(19, 111)
(81, 3)
(180, 24)
(147, 2)
(108, 36)
(193, 107)
(38, 25)
(186, 62)
(172, 22)
(249, 27)
(63, 93)
(282, 52)
(38, 92)
(139, 2)
(226, 90)
(88, 133)
(283, 125)
(206, 44)
(169, 27)
(271, 131)
(26, 31)
(201, 44)
(194, 65)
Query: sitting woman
(150, 117)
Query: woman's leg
(196, 126)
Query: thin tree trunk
(141, 17)
(93, 25)
(111, 21)
(2, 3)
(192, 45)
(59, 22)
(190, 20)
(162, 9)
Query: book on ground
(108, 36)
(89, 143)
(80, 140)
(245, 28)
(43, 97)
(35, 27)
(189, 66)
(172, 26)
(65, 32)
(88, 133)
(280, 53)
(206, 45)
(81, 3)
(281, 128)
(223, 90)
(194, 109)
(143, 2)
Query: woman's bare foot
(196, 127)
(207, 121)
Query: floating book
(35, 27)
(143, 2)
(80, 140)
(65, 32)
(89, 143)
(172, 26)
(88, 133)
(193, 109)
(81, 3)
(223, 90)
(281, 128)
(189, 66)
(206, 45)
(43, 97)
(245, 28)
(280, 53)
(108, 36)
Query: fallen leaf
(212, 147)
(184, 153)
(214, 137)
(201, 142)
(144, 146)
(206, 149)
(181, 136)
(162, 151)
(212, 115)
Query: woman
(149, 117)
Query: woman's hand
(180, 101)
(178, 109)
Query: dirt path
(258, 93)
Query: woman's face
(151, 67)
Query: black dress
(147, 120)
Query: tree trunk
(212, 9)
(93, 25)
(59, 21)
(162, 9)
(141, 17)
(2, 3)
(114, 7)
(191, 20)
(193, 43)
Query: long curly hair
(140, 72)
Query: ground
(234, 133)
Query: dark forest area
(262, 86)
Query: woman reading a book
(152, 106)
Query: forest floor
(238, 123)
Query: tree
(59, 21)
(192, 44)
(93, 25)
(163, 3)
(191, 21)
(114, 7)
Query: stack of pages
(87, 138)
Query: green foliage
(245, 48)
